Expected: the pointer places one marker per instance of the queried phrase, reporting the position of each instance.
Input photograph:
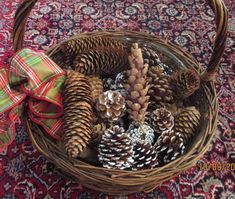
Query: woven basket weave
(124, 182)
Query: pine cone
(64, 61)
(76, 46)
(96, 87)
(185, 83)
(151, 57)
(97, 133)
(102, 61)
(137, 86)
(169, 146)
(111, 106)
(186, 122)
(115, 149)
(162, 120)
(160, 89)
(145, 156)
(77, 115)
(141, 133)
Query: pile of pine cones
(122, 105)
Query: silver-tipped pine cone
(169, 146)
(137, 86)
(162, 120)
(102, 61)
(185, 83)
(186, 122)
(160, 88)
(115, 149)
(140, 133)
(145, 156)
(77, 116)
(111, 106)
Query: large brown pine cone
(102, 61)
(115, 149)
(78, 114)
(76, 46)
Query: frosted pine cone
(162, 120)
(115, 149)
(186, 122)
(185, 83)
(169, 146)
(137, 86)
(111, 106)
(160, 89)
(141, 133)
(145, 156)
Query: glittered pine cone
(160, 88)
(145, 156)
(186, 122)
(162, 120)
(115, 149)
(140, 133)
(169, 146)
(111, 106)
(102, 61)
(184, 83)
(77, 115)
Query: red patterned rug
(24, 173)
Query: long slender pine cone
(77, 46)
(102, 61)
(78, 114)
(186, 123)
(137, 86)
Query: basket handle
(218, 6)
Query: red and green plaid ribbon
(41, 80)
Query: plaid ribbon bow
(40, 80)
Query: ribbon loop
(43, 82)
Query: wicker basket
(125, 182)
